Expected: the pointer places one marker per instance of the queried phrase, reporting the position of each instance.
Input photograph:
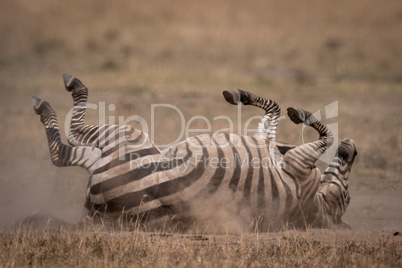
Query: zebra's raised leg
(100, 136)
(106, 137)
(332, 197)
(268, 124)
(305, 156)
(80, 134)
(299, 164)
(61, 154)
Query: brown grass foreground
(96, 246)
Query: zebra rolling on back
(223, 178)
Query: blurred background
(137, 53)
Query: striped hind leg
(305, 156)
(61, 154)
(268, 124)
(106, 137)
(80, 133)
(299, 164)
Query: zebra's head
(346, 155)
(336, 177)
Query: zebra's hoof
(68, 82)
(39, 105)
(296, 115)
(72, 83)
(232, 96)
(36, 103)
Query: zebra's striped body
(251, 179)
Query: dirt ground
(134, 54)
(375, 210)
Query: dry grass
(135, 53)
(97, 246)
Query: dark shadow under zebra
(225, 181)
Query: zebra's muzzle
(347, 150)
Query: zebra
(222, 178)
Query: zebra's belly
(203, 182)
(203, 200)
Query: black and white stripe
(272, 184)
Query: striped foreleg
(269, 122)
(61, 154)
